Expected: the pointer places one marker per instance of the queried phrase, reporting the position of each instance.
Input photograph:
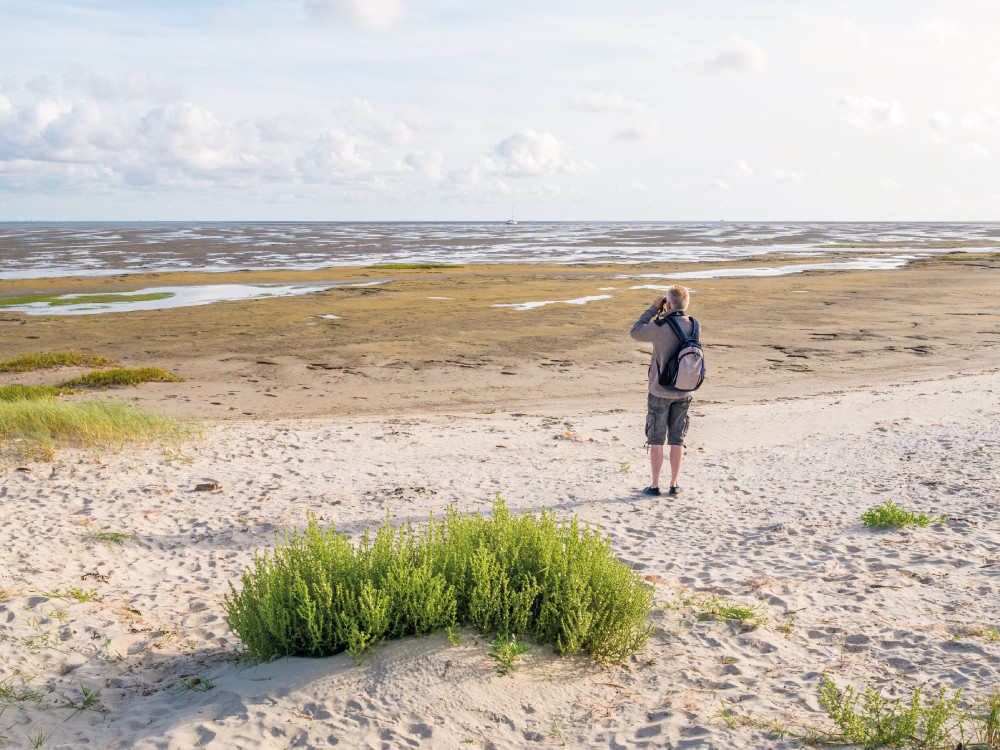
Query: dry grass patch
(123, 376)
(36, 428)
(31, 392)
(30, 362)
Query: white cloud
(334, 156)
(368, 15)
(359, 116)
(601, 102)
(183, 143)
(740, 56)
(743, 169)
(648, 131)
(720, 184)
(788, 176)
(940, 29)
(940, 120)
(888, 183)
(426, 163)
(865, 111)
(985, 119)
(979, 150)
(529, 153)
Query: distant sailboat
(511, 220)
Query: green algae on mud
(58, 300)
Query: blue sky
(444, 109)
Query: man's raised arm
(641, 329)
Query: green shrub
(31, 362)
(35, 428)
(882, 722)
(30, 392)
(123, 376)
(523, 574)
(890, 514)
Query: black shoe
(675, 491)
(651, 491)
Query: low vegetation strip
(65, 300)
(556, 581)
(31, 392)
(30, 362)
(37, 427)
(123, 376)
(414, 266)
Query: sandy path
(771, 516)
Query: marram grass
(36, 428)
(123, 376)
(556, 581)
(31, 392)
(30, 362)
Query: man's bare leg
(656, 463)
(676, 454)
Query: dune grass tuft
(34, 429)
(555, 581)
(889, 514)
(123, 376)
(30, 362)
(31, 392)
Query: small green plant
(109, 538)
(556, 732)
(729, 611)
(505, 650)
(197, 685)
(889, 514)
(31, 362)
(882, 722)
(556, 581)
(123, 376)
(87, 700)
(989, 722)
(454, 634)
(788, 624)
(59, 614)
(987, 632)
(13, 695)
(38, 641)
(37, 740)
(624, 468)
(74, 592)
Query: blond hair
(678, 297)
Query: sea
(39, 250)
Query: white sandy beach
(771, 513)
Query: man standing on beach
(667, 416)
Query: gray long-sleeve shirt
(664, 342)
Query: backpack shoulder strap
(669, 320)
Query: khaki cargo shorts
(666, 420)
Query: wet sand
(395, 350)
